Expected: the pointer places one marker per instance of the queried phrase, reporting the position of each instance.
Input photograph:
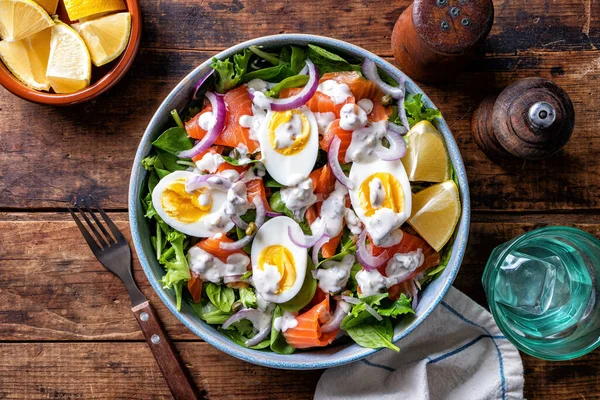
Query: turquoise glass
(543, 291)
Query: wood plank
(54, 289)
(127, 370)
(519, 24)
(92, 151)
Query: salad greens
(218, 302)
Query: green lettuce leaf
(221, 296)
(229, 74)
(240, 339)
(278, 343)
(248, 297)
(398, 307)
(208, 312)
(176, 266)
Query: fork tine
(88, 208)
(109, 222)
(92, 227)
(88, 238)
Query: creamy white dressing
(376, 193)
(261, 100)
(254, 122)
(257, 84)
(381, 227)
(242, 151)
(256, 172)
(285, 322)
(332, 212)
(352, 221)
(299, 197)
(287, 132)
(334, 275)
(352, 117)
(209, 162)
(401, 265)
(365, 141)
(324, 120)
(237, 203)
(371, 282)
(365, 104)
(266, 280)
(261, 303)
(204, 199)
(207, 121)
(338, 92)
(211, 269)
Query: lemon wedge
(106, 37)
(27, 59)
(22, 18)
(78, 9)
(48, 5)
(69, 65)
(435, 213)
(426, 158)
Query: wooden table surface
(66, 329)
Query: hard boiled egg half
(381, 198)
(199, 213)
(278, 265)
(289, 142)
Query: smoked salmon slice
(238, 103)
(256, 187)
(320, 102)
(194, 285)
(308, 331)
(344, 135)
(211, 245)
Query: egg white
(289, 170)
(275, 232)
(202, 227)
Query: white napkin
(458, 352)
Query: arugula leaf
(373, 300)
(271, 74)
(306, 293)
(416, 110)
(290, 82)
(327, 61)
(297, 59)
(221, 296)
(229, 74)
(238, 338)
(248, 297)
(177, 268)
(278, 343)
(208, 312)
(398, 307)
(374, 336)
(173, 140)
(270, 57)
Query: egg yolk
(381, 190)
(289, 132)
(183, 206)
(280, 257)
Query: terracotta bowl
(103, 78)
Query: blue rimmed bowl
(332, 356)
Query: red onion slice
(372, 311)
(240, 223)
(365, 258)
(253, 316)
(307, 241)
(273, 214)
(236, 245)
(401, 130)
(220, 111)
(198, 85)
(317, 248)
(302, 97)
(397, 148)
(414, 293)
(369, 70)
(351, 300)
(334, 163)
(402, 112)
(211, 180)
(341, 310)
(261, 211)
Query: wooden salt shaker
(433, 39)
(531, 119)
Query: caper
(387, 100)
(237, 306)
(251, 229)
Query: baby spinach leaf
(271, 74)
(270, 57)
(153, 179)
(272, 183)
(359, 315)
(169, 161)
(291, 82)
(306, 293)
(398, 307)
(374, 336)
(276, 203)
(326, 61)
(278, 343)
(173, 140)
(297, 59)
(247, 296)
(222, 297)
(238, 338)
(208, 312)
(352, 283)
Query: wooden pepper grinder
(531, 119)
(433, 39)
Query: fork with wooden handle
(112, 250)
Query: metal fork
(112, 250)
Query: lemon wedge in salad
(78, 9)
(426, 158)
(27, 59)
(22, 18)
(48, 5)
(69, 65)
(435, 213)
(106, 37)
